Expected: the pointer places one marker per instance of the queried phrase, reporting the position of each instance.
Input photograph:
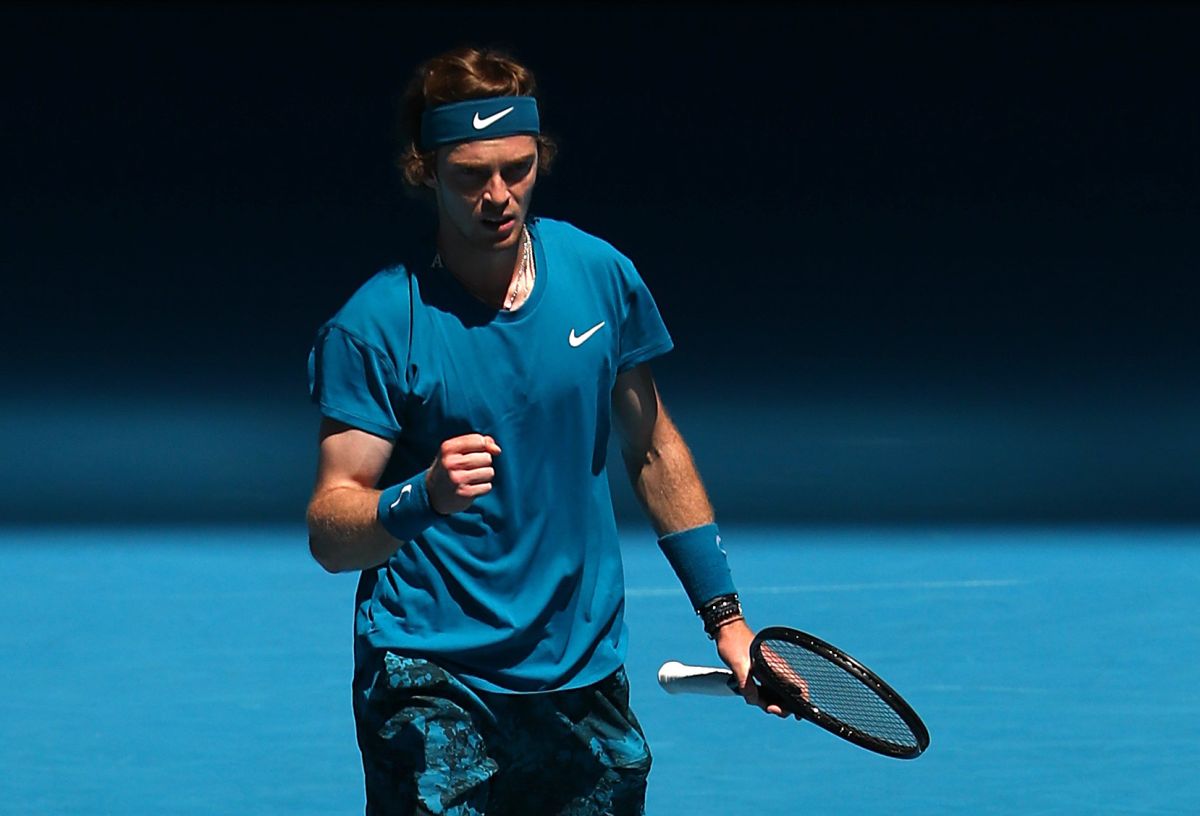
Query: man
(478, 392)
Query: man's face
(484, 189)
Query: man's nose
(495, 190)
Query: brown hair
(464, 73)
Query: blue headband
(479, 119)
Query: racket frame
(810, 712)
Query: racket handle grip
(677, 678)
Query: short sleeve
(354, 383)
(644, 336)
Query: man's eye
(517, 172)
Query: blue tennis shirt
(524, 590)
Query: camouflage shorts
(431, 745)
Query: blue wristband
(404, 509)
(699, 560)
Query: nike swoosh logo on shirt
(576, 342)
(404, 491)
(480, 124)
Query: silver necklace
(525, 275)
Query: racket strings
(835, 692)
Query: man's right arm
(344, 530)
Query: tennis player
(467, 402)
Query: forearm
(344, 532)
(666, 481)
(665, 478)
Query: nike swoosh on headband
(480, 124)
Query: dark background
(922, 262)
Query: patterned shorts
(431, 745)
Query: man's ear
(430, 179)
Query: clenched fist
(461, 472)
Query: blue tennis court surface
(206, 672)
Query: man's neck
(486, 273)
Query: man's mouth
(498, 222)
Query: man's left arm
(666, 481)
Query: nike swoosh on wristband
(480, 124)
(404, 491)
(576, 342)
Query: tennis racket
(818, 682)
